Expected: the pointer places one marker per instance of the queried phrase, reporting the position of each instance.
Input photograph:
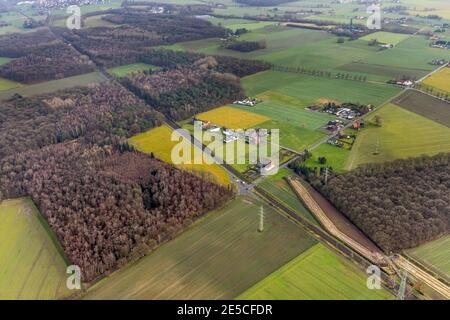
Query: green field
(8, 84)
(317, 274)
(31, 264)
(403, 134)
(336, 157)
(122, 71)
(386, 37)
(218, 258)
(434, 255)
(54, 85)
(4, 60)
(410, 57)
(280, 190)
(309, 89)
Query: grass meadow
(317, 274)
(403, 134)
(31, 263)
(310, 89)
(219, 257)
(434, 255)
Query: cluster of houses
(252, 136)
(335, 125)
(343, 112)
(406, 83)
(441, 44)
(438, 62)
(249, 102)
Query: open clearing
(54, 85)
(158, 141)
(232, 118)
(434, 255)
(386, 37)
(218, 258)
(426, 106)
(439, 80)
(122, 71)
(31, 265)
(317, 274)
(403, 134)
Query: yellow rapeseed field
(232, 118)
(440, 80)
(158, 141)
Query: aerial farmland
(326, 177)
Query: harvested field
(425, 105)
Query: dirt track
(304, 195)
(423, 276)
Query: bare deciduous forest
(400, 204)
(106, 206)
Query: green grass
(280, 190)
(32, 266)
(310, 89)
(403, 134)
(6, 84)
(317, 274)
(54, 85)
(412, 57)
(122, 71)
(288, 109)
(386, 37)
(292, 136)
(218, 258)
(435, 255)
(336, 157)
(4, 60)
